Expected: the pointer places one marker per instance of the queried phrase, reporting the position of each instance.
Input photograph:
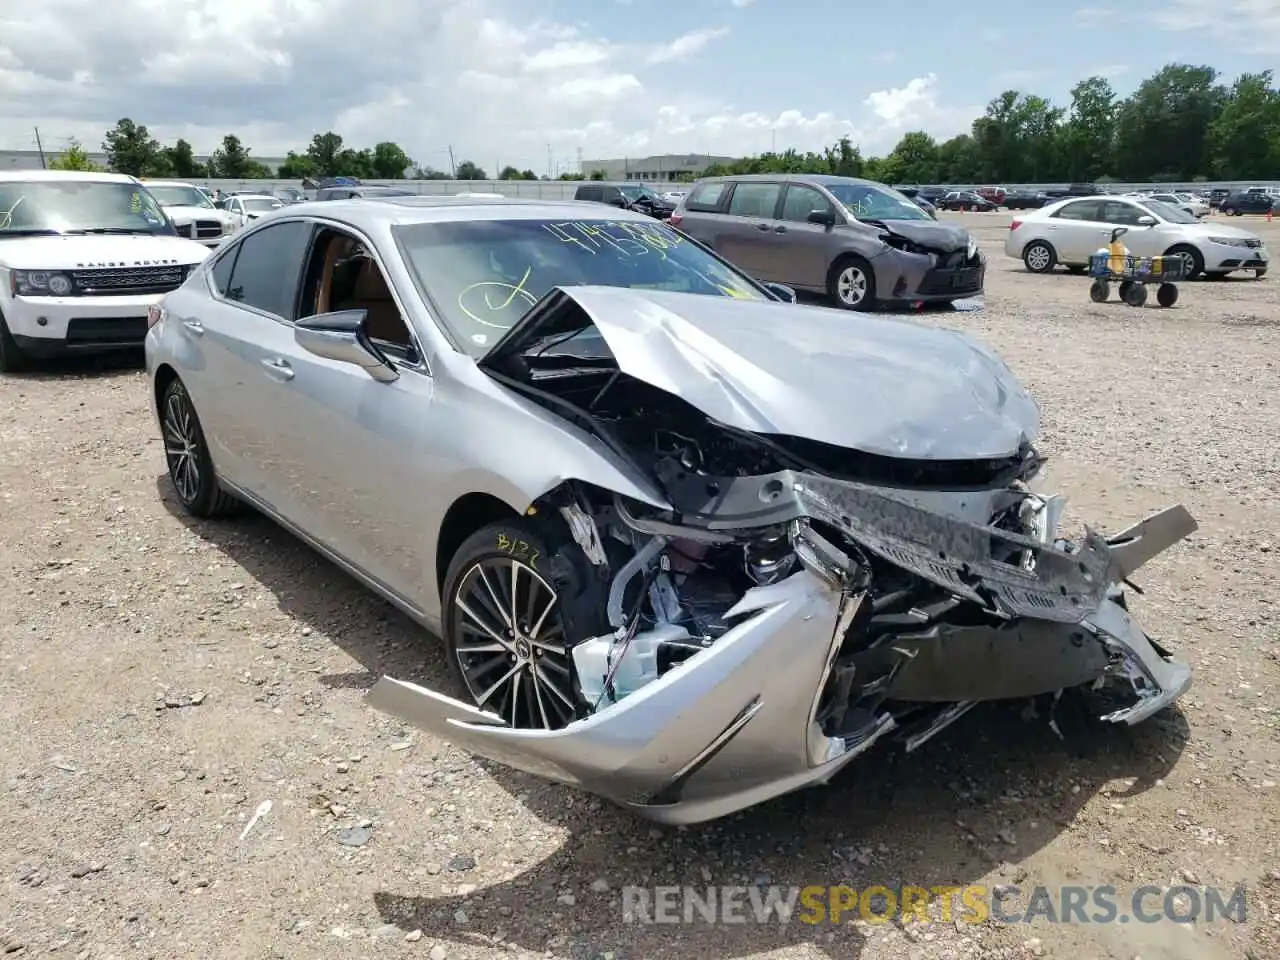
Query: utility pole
(40, 147)
(550, 166)
(453, 166)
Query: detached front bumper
(740, 722)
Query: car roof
(169, 183)
(821, 179)
(372, 212)
(66, 175)
(254, 196)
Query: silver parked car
(622, 482)
(859, 242)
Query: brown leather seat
(382, 316)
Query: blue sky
(535, 82)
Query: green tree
(429, 173)
(1088, 135)
(844, 159)
(131, 149)
(509, 173)
(469, 171)
(74, 158)
(297, 167)
(1243, 140)
(182, 161)
(232, 161)
(913, 160)
(1161, 130)
(389, 162)
(324, 154)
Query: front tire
(1192, 260)
(1039, 257)
(505, 626)
(187, 455)
(852, 284)
(12, 359)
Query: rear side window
(1080, 210)
(754, 200)
(265, 275)
(589, 193)
(705, 197)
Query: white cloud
(1248, 26)
(686, 45)
(483, 76)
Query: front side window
(482, 276)
(267, 267)
(802, 201)
(180, 197)
(79, 206)
(868, 201)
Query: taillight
(155, 313)
(675, 219)
(1014, 225)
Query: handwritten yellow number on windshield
(496, 297)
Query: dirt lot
(160, 679)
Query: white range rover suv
(82, 258)
(192, 212)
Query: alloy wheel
(851, 286)
(1038, 257)
(181, 446)
(1188, 262)
(511, 646)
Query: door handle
(195, 327)
(278, 368)
(779, 229)
(762, 227)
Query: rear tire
(1137, 295)
(12, 359)
(1099, 291)
(1039, 257)
(1167, 294)
(852, 284)
(187, 455)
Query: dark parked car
(626, 196)
(1238, 204)
(351, 193)
(1025, 199)
(913, 194)
(1217, 195)
(967, 200)
(857, 241)
(933, 194)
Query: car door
(1075, 230)
(1142, 240)
(348, 447)
(748, 237)
(243, 328)
(801, 255)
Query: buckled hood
(879, 385)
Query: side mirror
(341, 336)
(825, 218)
(781, 291)
(1145, 221)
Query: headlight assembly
(1230, 241)
(39, 283)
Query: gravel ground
(163, 680)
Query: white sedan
(1070, 231)
(1183, 201)
(246, 208)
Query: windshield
(261, 203)
(179, 197)
(1168, 212)
(481, 276)
(79, 206)
(634, 193)
(867, 201)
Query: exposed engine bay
(955, 586)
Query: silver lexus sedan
(689, 545)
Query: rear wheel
(1137, 295)
(1099, 290)
(1039, 257)
(187, 456)
(1167, 294)
(505, 629)
(852, 284)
